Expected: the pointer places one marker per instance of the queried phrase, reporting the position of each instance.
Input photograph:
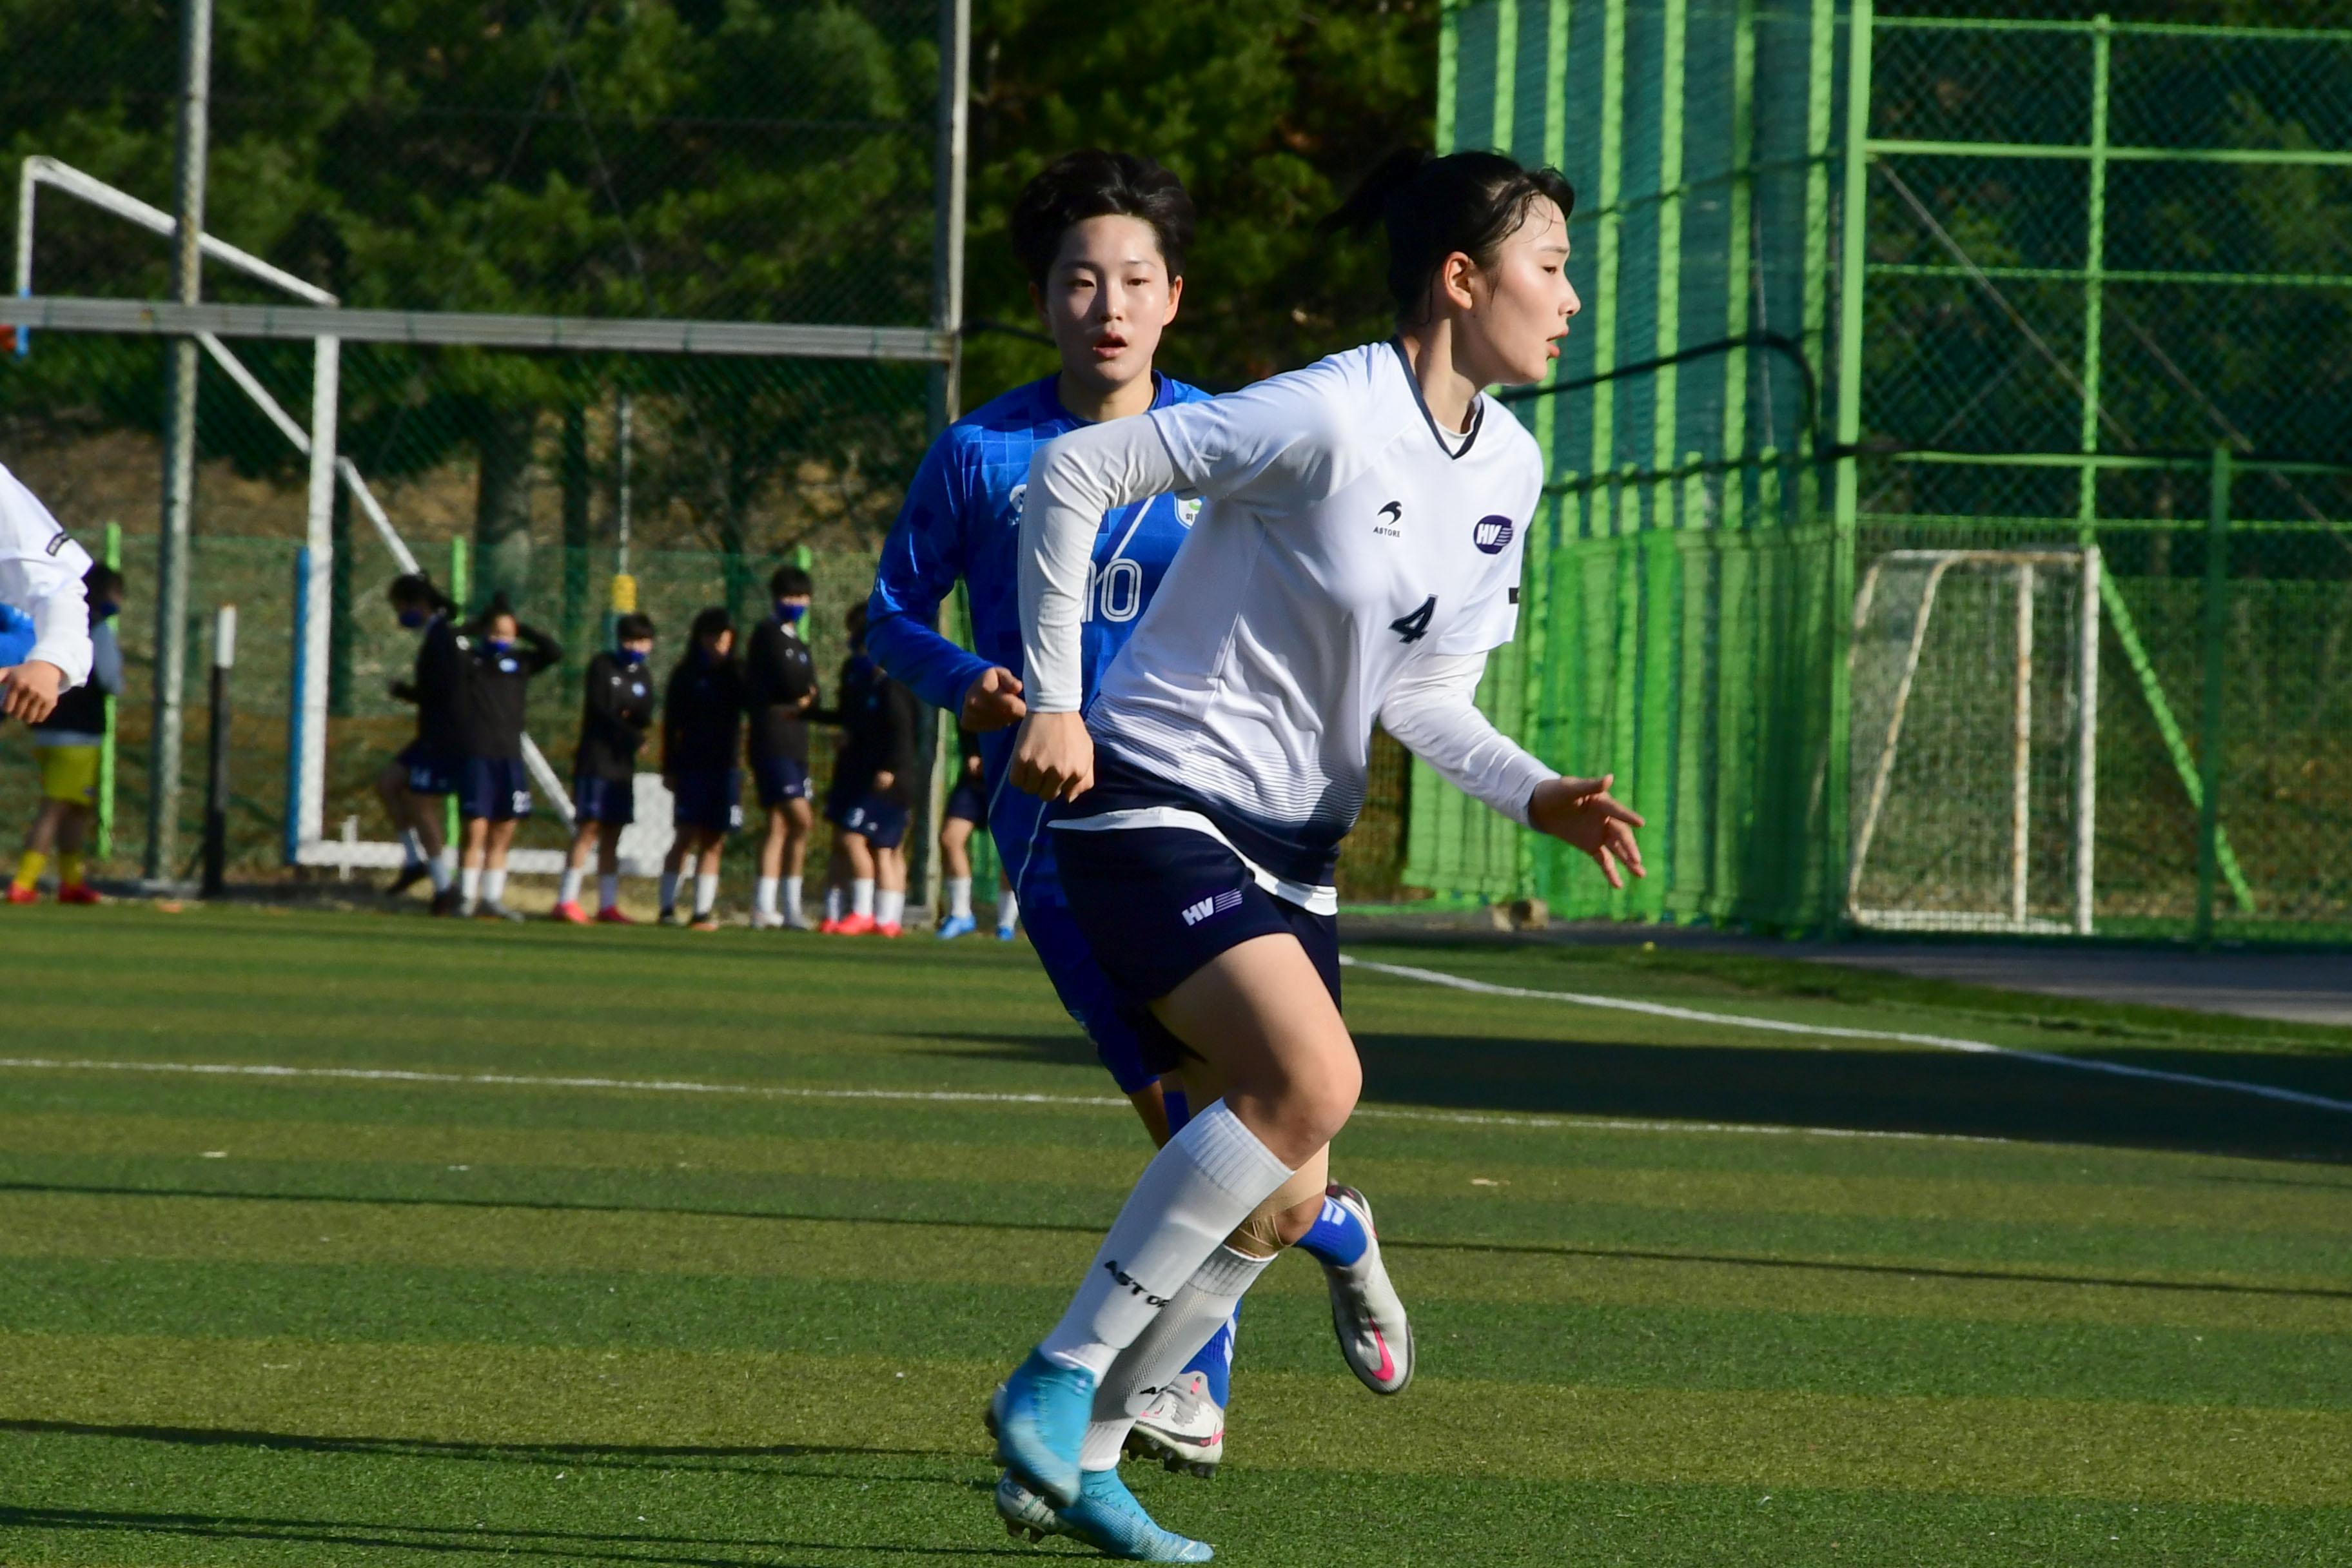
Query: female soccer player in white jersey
(1357, 559)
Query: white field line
(951, 1097)
(1781, 1026)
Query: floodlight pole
(179, 446)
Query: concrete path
(2300, 987)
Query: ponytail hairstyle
(1092, 183)
(1431, 208)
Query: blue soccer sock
(1215, 1362)
(1179, 1110)
(1337, 1239)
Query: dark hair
(499, 604)
(100, 580)
(710, 623)
(416, 588)
(1092, 183)
(790, 582)
(1431, 208)
(632, 628)
(853, 620)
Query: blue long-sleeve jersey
(962, 518)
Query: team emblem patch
(1492, 534)
(1020, 494)
(1188, 512)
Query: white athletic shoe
(1181, 1428)
(796, 918)
(761, 921)
(1366, 1314)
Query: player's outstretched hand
(1053, 756)
(992, 702)
(1581, 812)
(31, 690)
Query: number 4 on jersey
(1415, 627)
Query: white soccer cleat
(1366, 1314)
(1182, 1428)
(763, 920)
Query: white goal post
(1974, 737)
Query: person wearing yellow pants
(67, 743)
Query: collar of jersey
(1161, 388)
(1445, 440)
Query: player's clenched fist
(1053, 756)
(992, 702)
(29, 691)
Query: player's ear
(1454, 278)
(1175, 298)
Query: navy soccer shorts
(497, 789)
(1159, 903)
(966, 802)
(870, 813)
(779, 779)
(710, 799)
(431, 771)
(613, 802)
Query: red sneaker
(611, 915)
(572, 914)
(890, 929)
(80, 893)
(829, 926)
(854, 925)
(18, 895)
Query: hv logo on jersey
(1194, 914)
(1492, 535)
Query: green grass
(1672, 1308)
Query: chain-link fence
(2064, 280)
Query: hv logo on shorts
(1217, 904)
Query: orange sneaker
(18, 895)
(572, 914)
(890, 929)
(854, 925)
(80, 893)
(611, 915)
(829, 926)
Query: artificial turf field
(1985, 1312)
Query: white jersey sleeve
(1433, 713)
(1282, 443)
(41, 569)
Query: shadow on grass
(689, 1550)
(1848, 1089)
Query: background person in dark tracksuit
(414, 783)
(873, 793)
(702, 735)
(780, 679)
(501, 656)
(617, 708)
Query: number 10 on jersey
(1114, 590)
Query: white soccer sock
(833, 898)
(889, 904)
(763, 896)
(412, 848)
(1008, 909)
(861, 896)
(706, 893)
(570, 891)
(790, 899)
(469, 883)
(494, 884)
(670, 891)
(1203, 1184)
(444, 870)
(608, 891)
(958, 898)
(1165, 1347)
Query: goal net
(1974, 728)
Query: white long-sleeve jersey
(41, 569)
(1353, 562)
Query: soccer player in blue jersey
(1102, 236)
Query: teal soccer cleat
(1108, 1518)
(1038, 1418)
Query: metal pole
(2208, 741)
(2021, 758)
(310, 691)
(623, 440)
(178, 447)
(2086, 734)
(216, 781)
(1854, 221)
(104, 846)
(2094, 260)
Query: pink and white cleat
(1181, 1428)
(1366, 1314)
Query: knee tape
(1260, 1235)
